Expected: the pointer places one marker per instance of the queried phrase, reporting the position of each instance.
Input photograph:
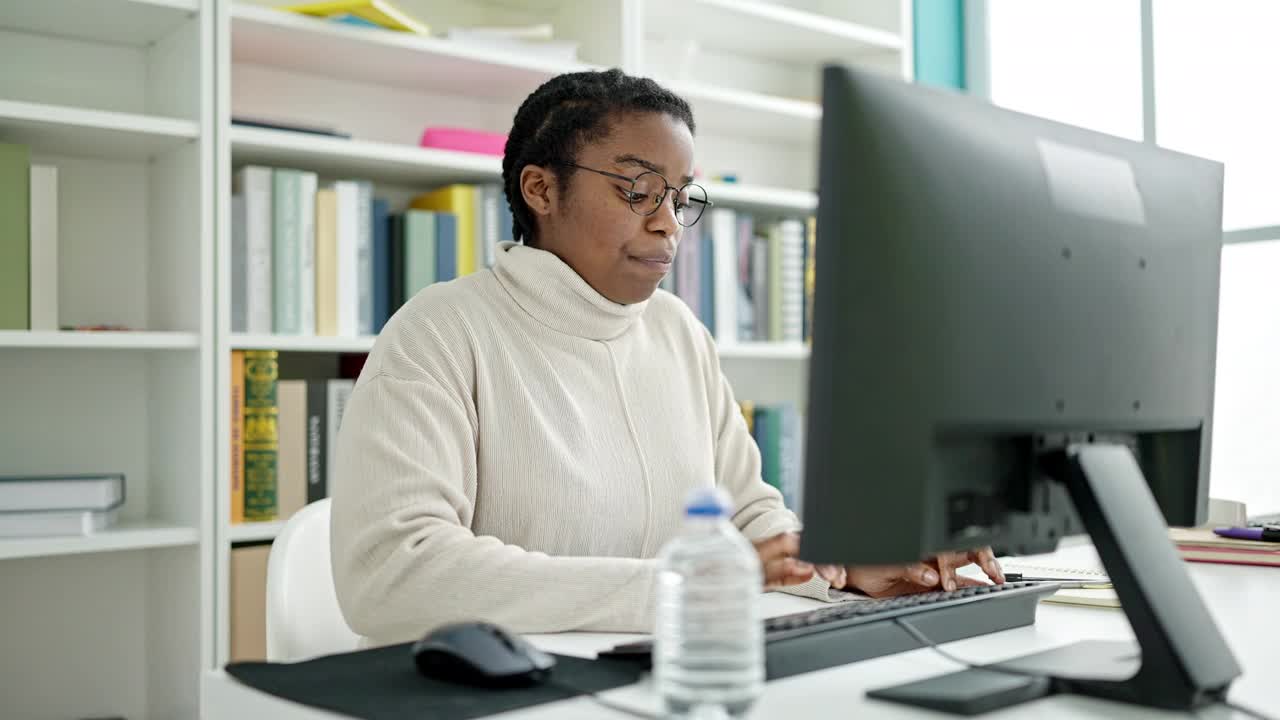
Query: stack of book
(333, 260)
(779, 433)
(747, 279)
(28, 241)
(52, 505)
(1203, 545)
(283, 436)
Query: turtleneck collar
(556, 296)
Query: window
(1215, 79)
(1074, 61)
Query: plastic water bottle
(708, 655)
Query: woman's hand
(781, 567)
(938, 572)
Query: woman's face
(589, 223)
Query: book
(364, 258)
(237, 436)
(247, 591)
(446, 246)
(291, 397)
(1088, 597)
(1202, 545)
(289, 127)
(724, 240)
(379, 12)
(791, 281)
(459, 200)
(348, 194)
(55, 523)
(261, 435)
(255, 184)
(15, 248)
(27, 493)
(420, 254)
(239, 264)
(317, 440)
(43, 224)
(339, 391)
(326, 262)
(383, 305)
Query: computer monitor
(1014, 327)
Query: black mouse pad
(383, 684)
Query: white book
(254, 184)
(792, 300)
(491, 224)
(44, 247)
(53, 524)
(724, 246)
(364, 254)
(307, 252)
(239, 265)
(348, 195)
(339, 393)
(69, 492)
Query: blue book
(446, 246)
(382, 302)
(707, 286)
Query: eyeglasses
(646, 192)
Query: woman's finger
(946, 570)
(922, 574)
(962, 581)
(835, 575)
(779, 546)
(785, 571)
(986, 559)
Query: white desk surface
(1245, 602)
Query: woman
(521, 440)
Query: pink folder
(473, 141)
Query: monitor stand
(1180, 660)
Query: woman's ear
(538, 187)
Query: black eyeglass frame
(703, 203)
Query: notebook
(1090, 597)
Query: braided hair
(563, 113)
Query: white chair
(303, 619)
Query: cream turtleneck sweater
(518, 448)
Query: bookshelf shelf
(424, 64)
(380, 162)
(757, 28)
(99, 340)
(751, 114)
(91, 133)
(124, 22)
(764, 351)
(755, 197)
(124, 536)
(302, 343)
(255, 531)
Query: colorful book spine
(15, 249)
(382, 303)
(446, 246)
(791, 280)
(44, 247)
(286, 255)
(348, 193)
(326, 262)
(261, 435)
(317, 440)
(459, 200)
(364, 258)
(419, 251)
(237, 436)
(810, 273)
(255, 185)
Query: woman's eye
(633, 196)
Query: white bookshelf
(99, 340)
(254, 531)
(143, 535)
(753, 88)
(118, 96)
(302, 343)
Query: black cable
(1246, 710)
(608, 704)
(922, 639)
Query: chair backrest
(303, 619)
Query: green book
(286, 251)
(15, 237)
(419, 251)
(261, 435)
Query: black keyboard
(862, 629)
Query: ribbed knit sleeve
(404, 557)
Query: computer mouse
(481, 654)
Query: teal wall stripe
(938, 28)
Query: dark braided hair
(563, 113)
